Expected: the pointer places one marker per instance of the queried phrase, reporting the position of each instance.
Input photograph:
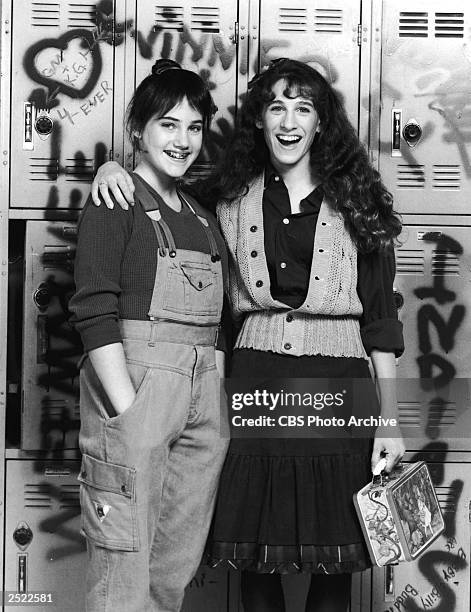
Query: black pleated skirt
(285, 505)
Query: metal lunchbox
(399, 514)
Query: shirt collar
(311, 203)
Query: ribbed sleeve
(102, 241)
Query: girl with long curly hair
(310, 230)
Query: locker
(323, 33)
(425, 105)
(51, 347)
(45, 551)
(62, 91)
(432, 279)
(201, 35)
(440, 578)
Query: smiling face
(170, 144)
(289, 126)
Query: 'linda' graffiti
(445, 566)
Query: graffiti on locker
(72, 63)
(63, 522)
(431, 361)
(59, 348)
(451, 103)
(441, 596)
(440, 567)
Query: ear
(318, 128)
(259, 124)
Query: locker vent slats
(413, 25)
(447, 498)
(81, 16)
(409, 413)
(292, 20)
(169, 18)
(205, 19)
(449, 25)
(410, 176)
(445, 263)
(410, 261)
(45, 14)
(69, 496)
(328, 20)
(37, 496)
(56, 256)
(447, 177)
(442, 414)
(80, 169)
(413, 414)
(43, 169)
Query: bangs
(158, 94)
(295, 88)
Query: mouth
(177, 155)
(288, 140)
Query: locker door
(200, 35)
(51, 347)
(432, 288)
(426, 105)
(44, 550)
(62, 100)
(320, 32)
(440, 578)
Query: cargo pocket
(108, 502)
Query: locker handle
(22, 573)
(396, 118)
(388, 582)
(42, 339)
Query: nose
(288, 120)
(181, 139)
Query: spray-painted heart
(70, 64)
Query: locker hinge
(359, 34)
(110, 155)
(469, 511)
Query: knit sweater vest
(327, 321)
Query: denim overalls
(149, 475)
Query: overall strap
(207, 230)
(150, 205)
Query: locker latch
(396, 119)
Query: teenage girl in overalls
(148, 306)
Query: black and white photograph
(235, 267)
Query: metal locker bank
(68, 71)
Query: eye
(196, 129)
(168, 125)
(304, 110)
(276, 108)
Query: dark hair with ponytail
(166, 87)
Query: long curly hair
(337, 157)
